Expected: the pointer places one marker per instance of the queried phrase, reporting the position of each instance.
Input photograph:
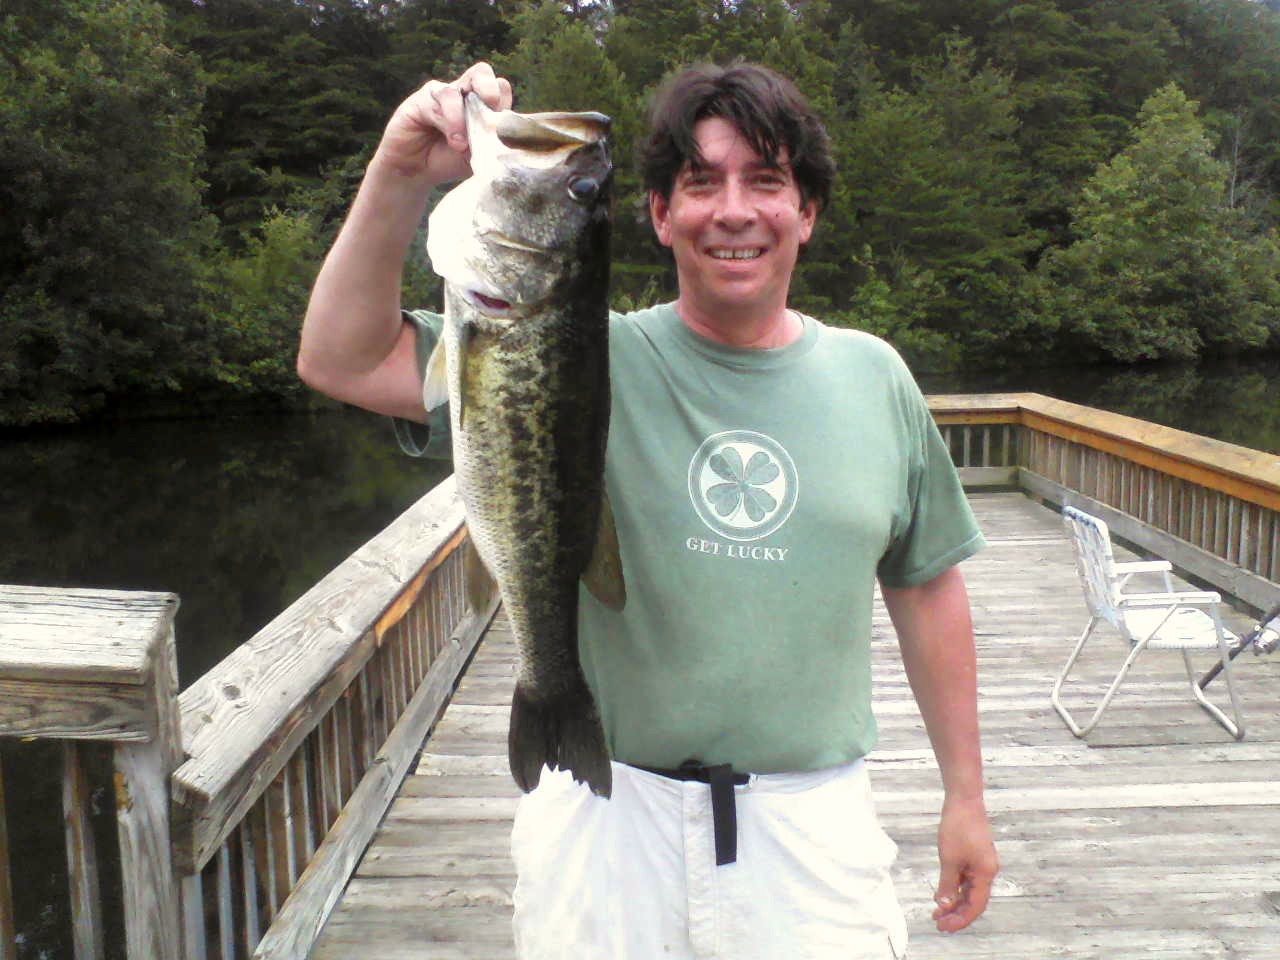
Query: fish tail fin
(564, 732)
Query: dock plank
(1154, 839)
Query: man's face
(735, 225)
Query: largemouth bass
(523, 246)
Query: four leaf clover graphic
(743, 484)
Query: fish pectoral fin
(480, 583)
(435, 386)
(603, 576)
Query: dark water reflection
(240, 517)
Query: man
(764, 471)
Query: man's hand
(968, 865)
(427, 135)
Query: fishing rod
(1263, 638)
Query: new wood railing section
(1213, 508)
(244, 804)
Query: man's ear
(660, 217)
(808, 219)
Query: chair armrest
(1127, 571)
(1189, 599)
(1144, 566)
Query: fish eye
(583, 188)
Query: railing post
(99, 665)
(152, 910)
(87, 937)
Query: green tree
(291, 87)
(1229, 59)
(1163, 268)
(551, 54)
(103, 232)
(441, 38)
(644, 37)
(934, 180)
(264, 293)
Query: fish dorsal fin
(603, 576)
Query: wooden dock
(1155, 839)
(281, 764)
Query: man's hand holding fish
(355, 345)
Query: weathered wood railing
(278, 764)
(1212, 508)
(85, 666)
(244, 803)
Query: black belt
(724, 816)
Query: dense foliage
(1019, 180)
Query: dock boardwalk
(1155, 839)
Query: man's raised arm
(355, 346)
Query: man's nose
(735, 209)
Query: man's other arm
(935, 632)
(355, 345)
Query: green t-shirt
(758, 494)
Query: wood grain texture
(244, 720)
(152, 905)
(50, 634)
(1153, 839)
(65, 709)
(88, 937)
(76, 663)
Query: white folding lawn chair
(1186, 621)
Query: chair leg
(1234, 727)
(1056, 697)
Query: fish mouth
(489, 305)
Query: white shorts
(635, 877)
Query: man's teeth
(738, 254)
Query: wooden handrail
(279, 762)
(100, 665)
(244, 719)
(1211, 507)
(1251, 475)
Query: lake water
(240, 516)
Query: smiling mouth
(751, 253)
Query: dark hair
(764, 105)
